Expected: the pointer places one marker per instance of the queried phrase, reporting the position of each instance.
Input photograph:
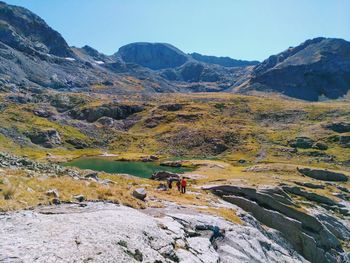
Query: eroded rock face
(274, 208)
(323, 175)
(115, 112)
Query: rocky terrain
(154, 235)
(268, 175)
(293, 219)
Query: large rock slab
(323, 175)
(274, 208)
(103, 232)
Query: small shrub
(104, 194)
(8, 192)
(220, 106)
(122, 243)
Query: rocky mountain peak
(308, 52)
(317, 67)
(23, 30)
(153, 55)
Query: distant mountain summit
(153, 55)
(317, 67)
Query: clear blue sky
(243, 29)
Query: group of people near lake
(181, 184)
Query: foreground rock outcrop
(316, 241)
(100, 232)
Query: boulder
(64, 102)
(171, 163)
(140, 193)
(53, 193)
(92, 176)
(106, 121)
(46, 138)
(150, 158)
(339, 127)
(79, 198)
(171, 107)
(43, 113)
(301, 142)
(320, 146)
(77, 143)
(163, 176)
(323, 175)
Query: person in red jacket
(183, 185)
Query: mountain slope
(317, 67)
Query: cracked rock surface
(104, 232)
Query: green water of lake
(140, 169)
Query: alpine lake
(136, 168)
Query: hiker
(183, 185)
(217, 233)
(170, 183)
(178, 184)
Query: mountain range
(34, 56)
